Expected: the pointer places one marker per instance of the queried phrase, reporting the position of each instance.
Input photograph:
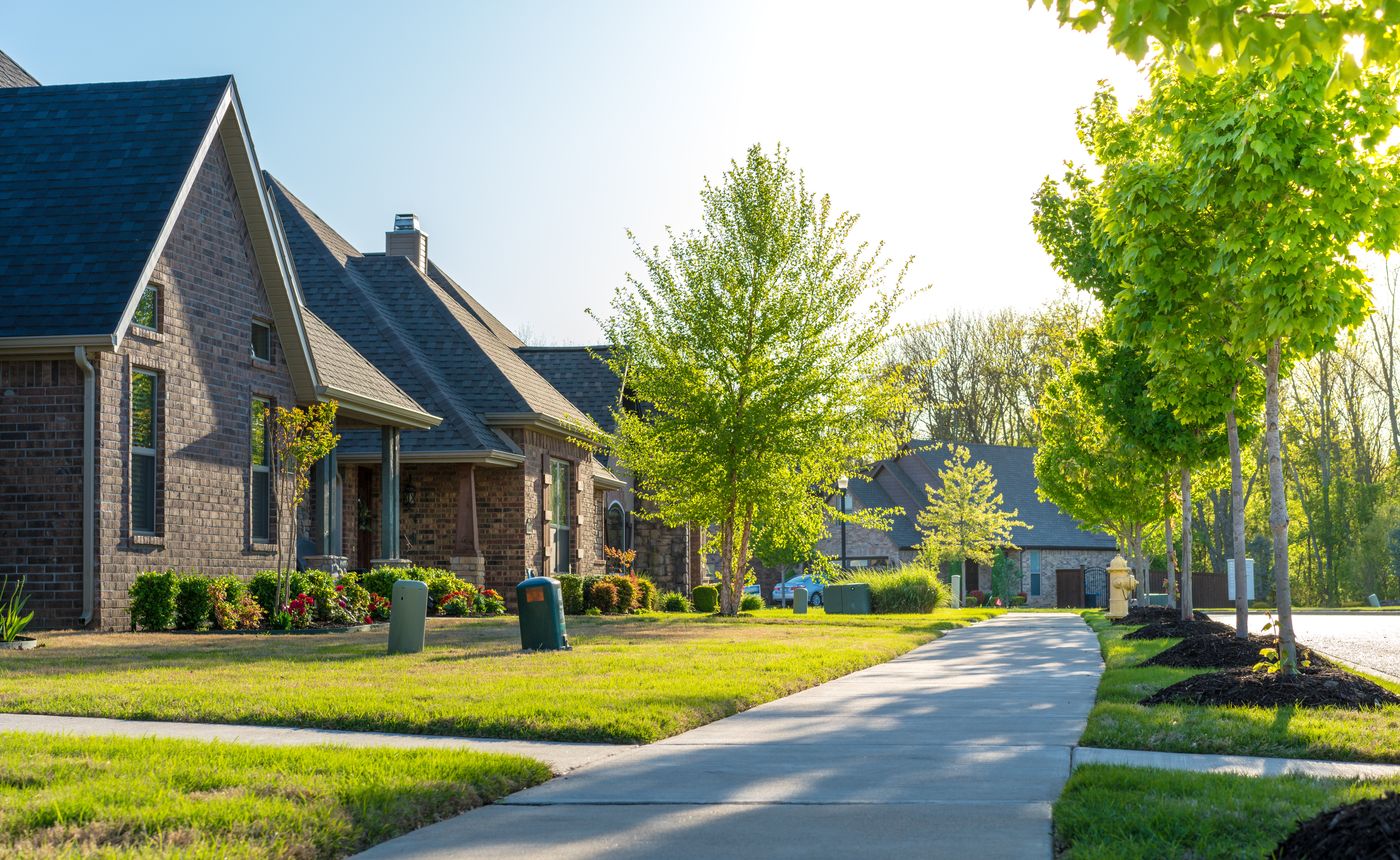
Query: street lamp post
(843, 482)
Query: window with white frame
(559, 513)
(147, 314)
(145, 391)
(260, 513)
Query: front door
(1069, 589)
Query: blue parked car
(782, 592)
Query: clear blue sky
(529, 137)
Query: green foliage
(1006, 578)
(381, 580)
(459, 603)
(440, 584)
(912, 588)
(263, 587)
(627, 593)
(763, 371)
(750, 603)
(233, 605)
(646, 594)
(705, 598)
(354, 598)
(193, 605)
(964, 518)
(1209, 37)
(301, 437)
(571, 592)
(674, 601)
(320, 587)
(602, 596)
(13, 618)
(153, 600)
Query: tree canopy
(757, 342)
(965, 518)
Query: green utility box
(799, 600)
(850, 599)
(408, 615)
(541, 606)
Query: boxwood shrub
(646, 594)
(674, 601)
(705, 598)
(153, 600)
(750, 603)
(571, 591)
(193, 604)
(263, 587)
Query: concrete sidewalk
(1241, 765)
(957, 748)
(561, 757)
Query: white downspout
(89, 470)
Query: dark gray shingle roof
(13, 75)
(88, 175)
(338, 364)
(423, 331)
(580, 375)
(902, 480)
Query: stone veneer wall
(41, 475)
(210, 292)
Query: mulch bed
(1154, 614)
(1312, 687)
(1222, 651)
(1365, 830)
(1177, 629)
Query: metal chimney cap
(406, 221)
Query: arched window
(614, 527)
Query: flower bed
(192, 602)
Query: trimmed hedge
(571, 592)
(602, 596)
(646, 594)
(705, 598)
(153, 600)
(193, 604)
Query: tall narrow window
(148, 309)
(262, 341)
(559, 513)
(144, 391)
(262, 473)
(1035, 572)
(614, 527)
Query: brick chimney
(406, 240)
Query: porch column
(336, 506)
(389, 495)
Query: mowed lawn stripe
(64, 796)
(628, 680)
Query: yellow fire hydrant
(1121, 585)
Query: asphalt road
(1370, 641)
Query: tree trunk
(1171, 561)
(726, 565)
(741, 563)
(1240, 573)
(1186, 569)
(1278, 509)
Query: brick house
(1061, 563)
(154, 322)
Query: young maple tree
(301, 437)
(756, 345)
(965, 518)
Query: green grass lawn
(1323, 733)
(1128, 813)
(127, 798)
(631, 679)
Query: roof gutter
(89, 476)
(54, 344)
(546, 423)
(379, 410)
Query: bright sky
(528, 137)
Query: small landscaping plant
(459, 604)
(646, 594)
(626, 587)
(263, 587)
(353, 600)
(234, 607)
(674, 601)
(750, 603)
(193, 604)
(490, 602)
(379, 607)
(300, 612)
(13, 619)
(571, 591)
(705, 598)
(381, 580)
(602, 597)
(975, 597)
(153, 600)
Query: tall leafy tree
(1210, 35)
(758, 343)
(1091, 472)
(965, 518)
(1292, 176)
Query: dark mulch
(1365, 830)
(1312, 687)
(1222, 651)
(1178, 629)
(1153, 614)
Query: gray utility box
(849, 599)
(541, 606)
(799, 600)
(408, 616)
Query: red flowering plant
(490, 602)
(379, 607)
(302, 610)
(458, 603)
